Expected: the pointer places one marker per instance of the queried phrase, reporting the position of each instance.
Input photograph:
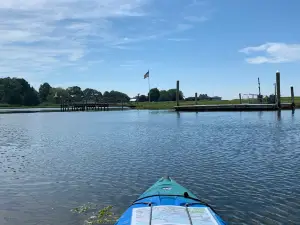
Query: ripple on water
(243, 164)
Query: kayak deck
(166, 186)
(168, 203)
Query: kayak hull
(166, 192)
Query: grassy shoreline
(28, 107)
(154, 105)
(170, 105)
(138, 105)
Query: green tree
(154, 94)
(44, 91)
(17, 91)
(1, 92)
(143, 98)
(75, 90)
(91, 93)
(31, 97)
(115, 97)
(106, 94)
(75, 93)
(172, 94)
(11, 93)
(164, 96)
(57, 94)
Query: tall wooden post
(196, 98)
(240, 98)
(259, 93)
(292, 96)
(260, 97)
(177, 93)
(61, 105)
(278, 89)
(275, 93)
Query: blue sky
(216, 47)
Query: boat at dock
(169, 203)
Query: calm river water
(246, 165)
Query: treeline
(17, 91)
(203, 97)
(160, 95)
(157, 95)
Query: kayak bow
(169, 203)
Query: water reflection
(278, 115)
(260, 114)
(242, 163)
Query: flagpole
(149, 85)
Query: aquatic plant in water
(102, 216)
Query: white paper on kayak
(172, 215)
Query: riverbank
(136, 105)
(41, 106)
(170, 105)
(151, 105)
(27, 110)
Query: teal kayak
(169, 203)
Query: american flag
(146, 75)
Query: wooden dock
(84, 107)
(233, 107)
(271, 105)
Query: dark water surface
(246, 165)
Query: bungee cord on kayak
(167, 202)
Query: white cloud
(42, 37)
(273, 53)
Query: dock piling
(293, 96)
(275, 93)
(177, 93)
(276, 105)
(85, 106)
(278, 89)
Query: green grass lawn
(170, 105)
